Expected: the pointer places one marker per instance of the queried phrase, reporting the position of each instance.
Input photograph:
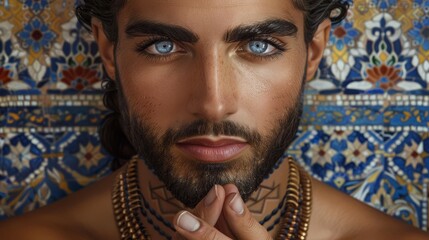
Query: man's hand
(222, 214)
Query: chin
(189, 180)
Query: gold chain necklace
(127, 204)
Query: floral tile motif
(81, 155)
(76, 66)
(420, 33)
(36, 6)
(409, 155)
(337, 156)
(40, 168)
(385, 170)
(364, 130)
(36, 36)
(375, 56)
(343, 35)
(21, 157)
(389, 193)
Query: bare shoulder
(86, 214)
(36, 227)
(338, 216)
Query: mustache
(204, 127)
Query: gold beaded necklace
(128, 204)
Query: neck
(266, 203)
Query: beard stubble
(189, 180)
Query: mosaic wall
(364, 131)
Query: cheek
(271, 91)
(154, 93)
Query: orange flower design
(80, 78)
(384, 76)
(4, 76)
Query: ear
(316, 47)
(105, 47)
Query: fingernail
(188, 222)
(211, 196)
(237, 204)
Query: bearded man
(206, 96)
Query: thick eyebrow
(144, 27)
(278, 27)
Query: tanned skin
(215, 80)
(88, 214)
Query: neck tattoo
(129, 205)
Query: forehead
(209, 16)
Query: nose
(214, 89)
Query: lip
(212, 149)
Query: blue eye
(258, 47)
(164, 47)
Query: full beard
(189, 180)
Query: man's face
(210, 89)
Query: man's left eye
(260, 47)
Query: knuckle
(250, 223)
(198, 211)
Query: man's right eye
(160, 47)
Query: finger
(222, 225)
(240, 220)
(190, 227)
(210, 207)
(230, 188)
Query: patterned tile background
(364, 131)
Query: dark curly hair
(112, 136)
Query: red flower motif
(384, 76)
(80, 78)
(4, 76)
